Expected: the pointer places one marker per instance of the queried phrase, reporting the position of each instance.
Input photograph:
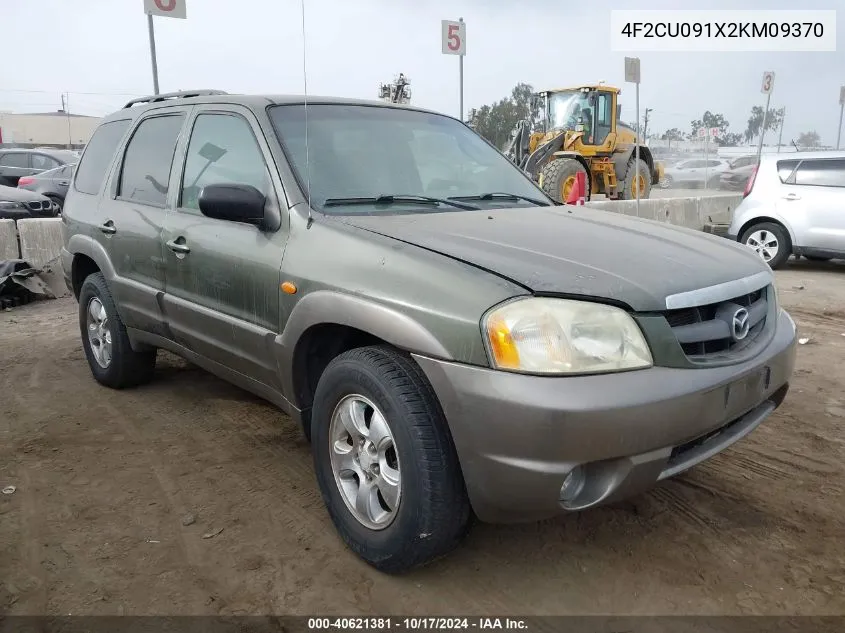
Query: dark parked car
(15, 163)
(18, 204)
(52, 183)
(735, 179)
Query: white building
(57, 129)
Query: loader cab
(588, 109)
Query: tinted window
(98, 156)
(821, 173)
(149, 156)
(785, 168)
(604, 109)
(714, 163)
(40, 161)
(222, 150)
(15, 159)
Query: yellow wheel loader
(579, 130)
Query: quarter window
(98, 156)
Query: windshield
(565, 107)
(368, 151)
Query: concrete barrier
(8, 240)
(692, 213)
(40, 239)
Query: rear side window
(785, 169)
(15, 159)
(40, 161)
(821, 173)
(145, 176)
(98, 156)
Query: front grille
(38, 205)
(707, 331)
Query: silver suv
(794, 205)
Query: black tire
(782, 237)
(433, 514)
(627, 192)
(127, 367)
(556, 172)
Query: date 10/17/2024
(416, 624)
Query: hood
(13, 194)
(576, 251)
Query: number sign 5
(454, 37)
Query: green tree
(730, 139)
(673, 134)
(496, 122)
(809, 139)
(755, 122)
(708, 120)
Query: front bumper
(518, 436)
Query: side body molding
(330, 307)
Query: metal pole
(153, 51)
(780, 134)
(763, 128)
(839, 130)
(637, 150)
(66, 106)
(706, 155)
(461, 77)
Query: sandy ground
(116, 490)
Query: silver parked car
(794, 205)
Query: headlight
(10, 205)
(560, 336)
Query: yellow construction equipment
(579, 130)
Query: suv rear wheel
(770, 240)
(110, 356)
(385, 462)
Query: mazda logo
(739, 324)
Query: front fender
(324, 307)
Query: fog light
(572, 484)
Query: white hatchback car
(794, 205)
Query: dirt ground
(108, 484)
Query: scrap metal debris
(21, 283)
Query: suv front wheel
(770, 241)
(110, 356)
(385, 462)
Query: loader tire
(558, 177)
(628, 189)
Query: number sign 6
(454, 37)
(166, 8)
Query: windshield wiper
(401, 199)
(502, 196)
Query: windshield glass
(367, 151)
(565, 107)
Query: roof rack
(182, 94)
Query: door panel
(820, 192)
(222, 297)
(132, 222)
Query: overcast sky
(98, 49)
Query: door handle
(64, 183)
(792, 196)
(108, 227)
(178, 247)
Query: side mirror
(236, 203)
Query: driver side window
(222, 150)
